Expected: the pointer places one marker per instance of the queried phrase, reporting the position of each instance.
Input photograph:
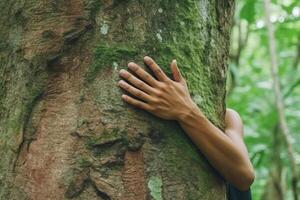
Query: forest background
(250, 91)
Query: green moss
(93, 7)
(155, 187)
(177, 152)
(105, 55)
(180, 40)
(192, 40)
(175, 137)
(83, 162)
(81, 121)
(19, 96)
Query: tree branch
(279, 99)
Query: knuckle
(148, 108)
(160, 84)
(169, 81)
(155, 101)
(126, 86)
(129, 89)
(157, 71)
(159, 93)
(139, 104)
(151, 63)
(152, 108)
(139, 84)
(163, 86)
(129, 77)
(147, 77)
(128, 99)
(139, 93)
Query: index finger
(160, 75)
(142, 74)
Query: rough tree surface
(65, 133)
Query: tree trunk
(65, 133)
(274, 187)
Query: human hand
(165, 98)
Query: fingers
(136, 92)
(135, 81)
(142, 73)
(160, 75)
(176, 72)
(136, 102)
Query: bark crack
(27, 135)
(83, 181)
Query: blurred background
(250, 91)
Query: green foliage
(253, 96)
(248, 11)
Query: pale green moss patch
(104, 29)
(155, 187)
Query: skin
(170, 99)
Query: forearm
(232, 163)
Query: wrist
(189, 113)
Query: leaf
(248, 11)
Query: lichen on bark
(154, 185)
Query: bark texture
(65, 132)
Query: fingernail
(147, 58)
(122, 72)
(132, 66)
(174, 60)
(120, 82)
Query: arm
(225, 151)
(171, 100)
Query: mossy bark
(65, 132)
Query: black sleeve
(235, 194)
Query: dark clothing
(235, 194)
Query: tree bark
(65, 132)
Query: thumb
(175, 71)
